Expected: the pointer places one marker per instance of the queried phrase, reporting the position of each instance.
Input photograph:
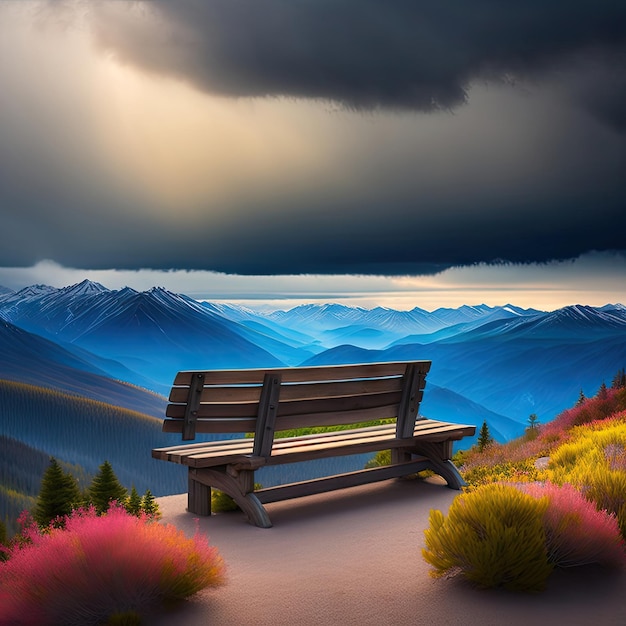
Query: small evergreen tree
(133, 504)
(3, 541)
(149, 505)
(533, 421)
(581, 398)
(603, 391)
(484, 437)
(105, 487)
(619, 380)
(58, 495)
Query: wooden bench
(265, 401)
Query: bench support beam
(439, 454)
(239, 485)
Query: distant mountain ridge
(508, 360)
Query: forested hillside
(84, 433)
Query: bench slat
(240, 425)
(297, 413)
(291, 391)
(217, 426)
(296, 449)
(301, 374)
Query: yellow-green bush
(591, 461)
(520, 471)
(222, 502)
(493, 536)
(608, 491)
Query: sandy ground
(354, 557)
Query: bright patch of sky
(594, 279)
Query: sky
(273, 152)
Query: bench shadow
(365, 499)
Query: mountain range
(124, 347)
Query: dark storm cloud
(416, 202)
(367, 240)
(382, 242)
(398, 54)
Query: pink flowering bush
(577, 533)
(96, 567)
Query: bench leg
(198, 496)
(438, 454)
(238, 485)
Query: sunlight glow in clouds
(546, 287)
(271, 159)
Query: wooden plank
(337, 405)
(240, 418)
(217, 426)
(300, 374)
(332, 448)
(291, 391)
(222, 393)
(452, 431)
(205, 446)
(297, 449)
(411, 397)
(268, 407)
(340, 481)
(220, 410)
(425, 429)
(335, 434)
(338, 418)
(191, 409)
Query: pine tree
(133, 504)
(619, 380)
(484, 437)
(602, 391)
(105, 487)
(533, 421)
(581, 398)
(3, 541)
(58, 494)
(149, 505)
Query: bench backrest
(262, 401)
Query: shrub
(222, 503)
(97, 568)
(58, 494)
(493, 537)
(519, 471)
(577, 533)
(608, 491)
(592, 462)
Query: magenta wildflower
(577, 533)
(96, 566)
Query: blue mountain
(154, 333)
(34, 360)
(509, 360)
